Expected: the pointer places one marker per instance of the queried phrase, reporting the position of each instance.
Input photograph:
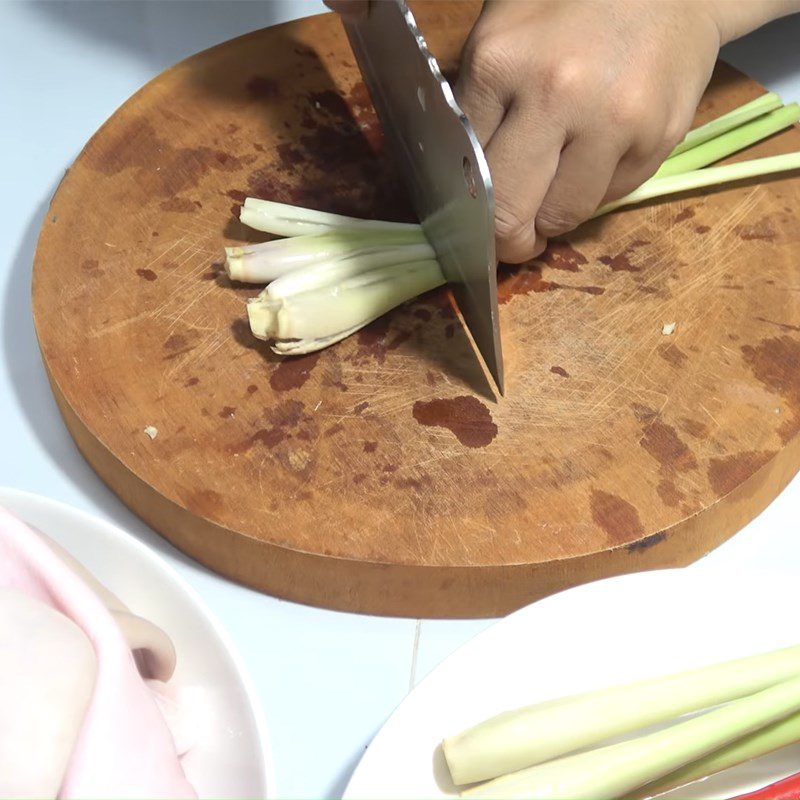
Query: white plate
(612, 631)
(231, 756)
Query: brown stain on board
(682, 216)
(147, 274)
(726, 474)
(465, 417)
(283, 418)
(617, 517)
(672, 354)
(203, 502)
(269, 437)
(559, 371)
(619, 263)
(775, 362)
(287, 414)
(523, 279)
(782, 325)
(695, 429)
(176, 342)
(293, 372)
(92, 266)
(669, 493)
(171, 172)
(761, 231)
(563, 256)
(180, 205)
(662, 442)
(260, 87)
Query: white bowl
(231, 756)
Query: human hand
(578, 103)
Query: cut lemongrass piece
(263, 316)
(730, 142)
(767, 740)
(700, 178)
(264, 262)
(330, 311)
(329, 273)
(285, 220)
(733, 119)
(302, 346)
(614, 770)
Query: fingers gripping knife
(442, 162)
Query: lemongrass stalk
(302, 346)
(612, 771)
(733, 119)
(286, 220)
(731, 142)
(755, 745)
(329, 273)
(266, 261)
(313, 318)
(521, 738)
(700, 178)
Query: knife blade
(441, 161)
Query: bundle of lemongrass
(335, 274)
(532, 753)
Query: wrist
(736, 18)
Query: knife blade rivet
(469, 178)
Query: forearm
(736, 18)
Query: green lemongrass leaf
(329, 273)
(733, 119)
(612, 771)
(266, 261)
(731, 142)
(282, 219)
(521, 738)
(760, 743)
(700, 178)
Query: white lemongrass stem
(612, 771)
(730, 142)
(329, 273)
(312, 319)
(266, 261)
(286, 220)
(524, 737)
(733, 119)
(700, 178)
(767, 740)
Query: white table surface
(327, 680)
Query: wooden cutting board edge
(401, 590)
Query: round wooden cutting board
(383, 475)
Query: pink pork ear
(154, 651)
(123, 748)
(47, 675)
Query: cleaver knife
(441, 161)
